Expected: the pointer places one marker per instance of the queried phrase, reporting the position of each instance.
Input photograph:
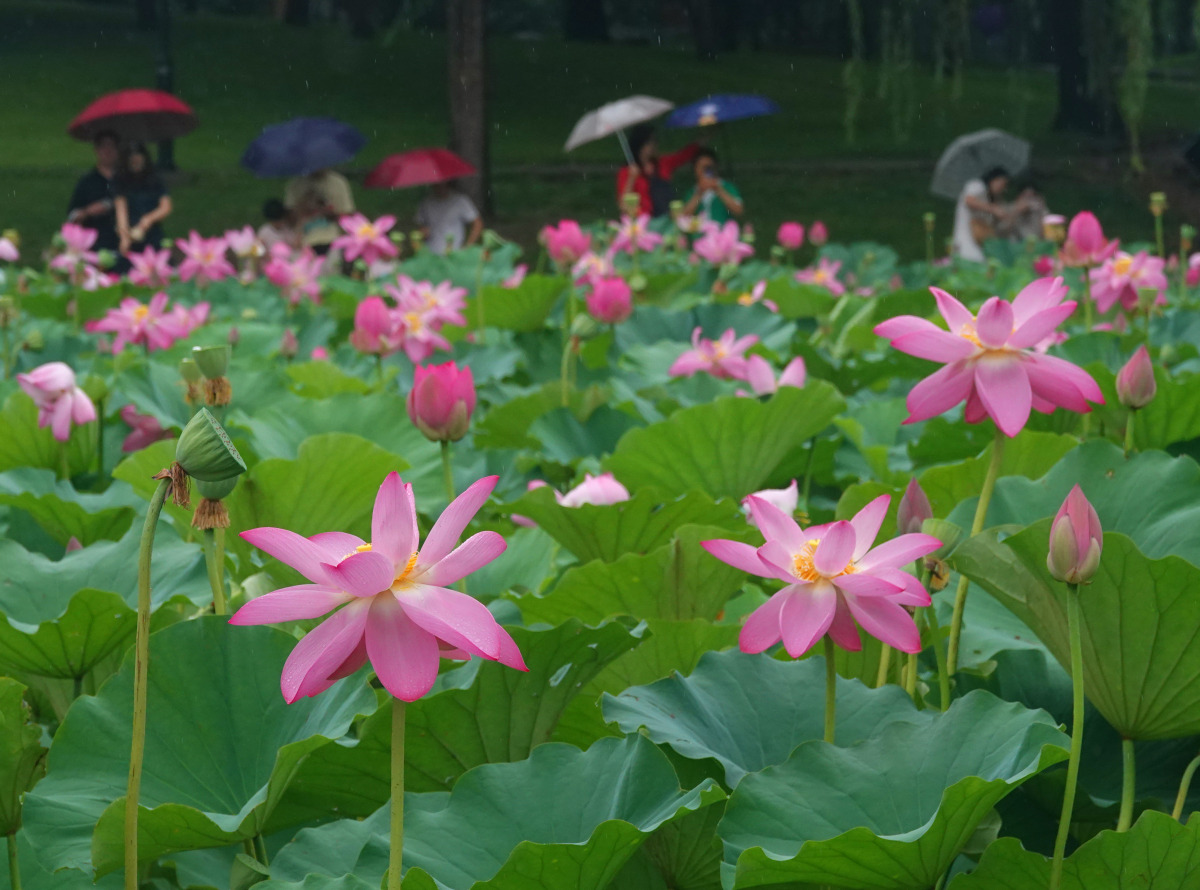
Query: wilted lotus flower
(1135, 382)
(790, 235)
(914, 508)
(441, 401)
(59, 401)
(1076, 540)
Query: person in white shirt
(978, 213)
(448, 219)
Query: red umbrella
(421, 166)
(135, 115)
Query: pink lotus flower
(187, 319)
(566, 243)
(297, 278)
(755, 295)
(77, 248)
(1192, 276)
(790, 235)
(1123, 275)
(145, 430)
(722, 245)
(8, 251)
(151, 268)
(147, 324)
(761, 376)
(990, 360)
(59, 401)
(724, 357)
(592, 267)
(914, 508)
(244, 242)
(1086, 244)
(834, 579)
(824, 274)
(319, 354)
(393, 599)
(1076, 540)
(203, 259)
(419, 331)
(73, 544)
(786, 500)
(365, 239)
(441, 401)
(610, 300)
(1136, 386)
(601, 490)
(376, 331)
(1045, 266)
(518, 275)
(818, 234)
(438, 304)
(289, 346)
(90, 278)
(525, 521)
(633, 234)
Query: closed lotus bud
(817, 233)
(913, 510)
(1135, 382)
(205, 452)
(235, 336)
(289, 346)
(1076, 540)
(441, 401)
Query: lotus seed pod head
(35, 339)
(1076, 540)
(1136, 386)
(213, 361)
(205, 452)
(190, 371)
(631, 203)
(1158, 203)
(676, 208)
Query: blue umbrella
(301, 146)
(721, 108)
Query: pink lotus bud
(288, 345)
(1135, 381)
(1076, 540)
(566, 242)
(372, 325)
(73, 544)
(610, 300)
(818, 234)
(790, 235)
(234, 336)
(319, 354)
(601, 490)
(786, 499)
(1086, 244)
(914, 508)
(441, 401)
(1044, 266)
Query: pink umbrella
(135, 115)
(421, 166)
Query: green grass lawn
(241, 73)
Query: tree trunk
(585, 21)
(466, 49)
(1085, 99)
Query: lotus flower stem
(1129, 434)
(981, 508)
(479, 315)
(64, 456)
(379, 371)
(141, 675)
(100, 437)
(1087, 302)
(1068, 807)
(910, 677)
(830, 689)
(808, 469)
(1184, 785)
(14, 867)
(396, 850)
(260, 849)
(216, 574)
(565, 372)
(447, 471)
(885, 664)
(1128, 785)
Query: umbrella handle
(625, 146)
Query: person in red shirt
(649, 177)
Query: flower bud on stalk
(441, 401)
(913, 510)
(1076, 540)
(288, 344)
(1136, 386)
(1158, 203)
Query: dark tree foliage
(585, 20)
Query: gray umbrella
(969, 157)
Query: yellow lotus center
(401, 579)
(140, 313)
(413, 320)
(820, 275)
(1122, 265)
(802, 563)
(362, 548)
(967, 332)
(366, 231)
(746, 299)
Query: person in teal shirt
(712, 197)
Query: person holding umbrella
(444, 216)
(714, 198)
(649, 175)
(142, 202)
(92, 201)
(318, 200)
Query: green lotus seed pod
(637, 283)
(216, 491)
(190, 371)
(35, 340)
(205, 451)
(213, 361)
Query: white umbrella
(614, 118)
(969, 157)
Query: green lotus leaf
(561, 818)
(641, 524)
(749, 712)
(217, 765)
(64, 513)
(728, 448)
(24, 444)
(893, 812)
(1141, 625)
(1157, 853)
(522, 308)
(22, 757)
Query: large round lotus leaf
(1141, 625)
(1157, 853)
(751, 711)
(893, 812)
(221, 749)
(561, 818)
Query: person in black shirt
(142, 201)
(92, 201)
